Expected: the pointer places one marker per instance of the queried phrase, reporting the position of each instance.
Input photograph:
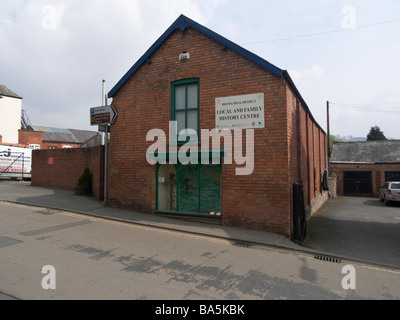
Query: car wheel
(386, 201)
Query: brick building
(363, 167)
(42, 137)
(192, 75)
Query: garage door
(357, 183)
(392, 176)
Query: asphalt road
(360, 228)
(101, 259)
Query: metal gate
(357, 183)
(299, 214)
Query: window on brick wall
(185, 105)
(34, 146)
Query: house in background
(13, 118)
(363, 167)
(41, 137)
(10, 115)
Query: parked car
(390, 192)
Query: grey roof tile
(4, 91)
(61, 135)
(383, 151)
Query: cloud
(56, 53)
(314, 72)
(200, 11)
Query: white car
(390, 192)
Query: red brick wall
(307, 150)
(67, 167)
(259, 201)
(27, 137)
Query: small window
(185, 105)
(34, 146)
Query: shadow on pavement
(362, 229)
(60, 199)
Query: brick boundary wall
(61, 168)
(318, 202)
(332, 178)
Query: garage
(362, 167)
(357, 183)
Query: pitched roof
(182, 24)
(59, 137)
(50, 129)
(83, 136)
(4, 91)
(52, 134)
(382, 151)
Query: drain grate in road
(241, 244)
(327, 258)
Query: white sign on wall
(240, 112)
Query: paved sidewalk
(60, 199)
(322, 239)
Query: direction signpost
(102, 115)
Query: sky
(56, 53)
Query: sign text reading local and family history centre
(240, 112)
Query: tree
(375, 134)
